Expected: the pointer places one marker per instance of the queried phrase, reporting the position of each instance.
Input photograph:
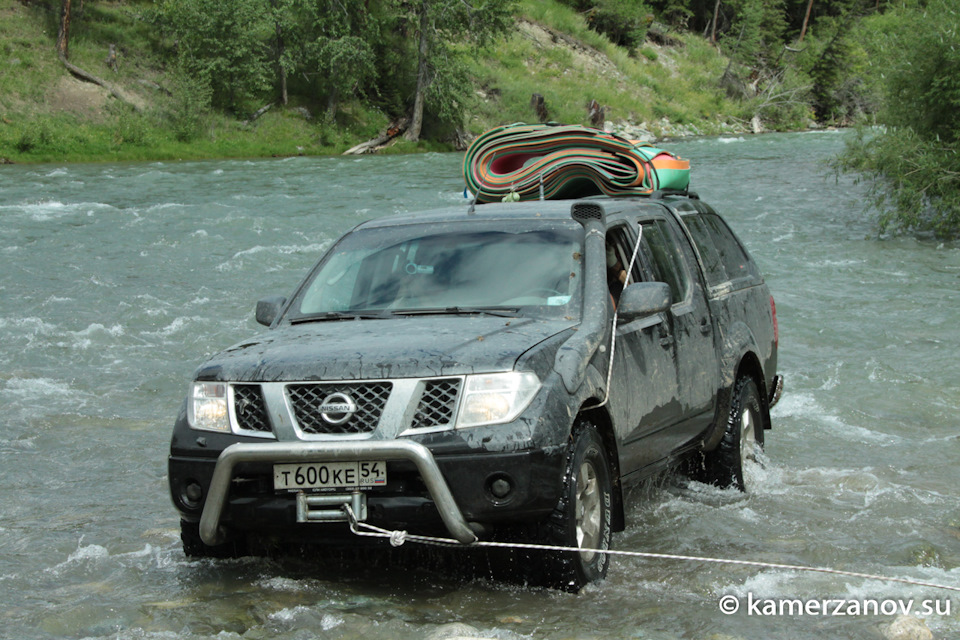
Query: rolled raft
(571, 161)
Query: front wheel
(582, 518)
(742, 441)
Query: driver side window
(619, 250)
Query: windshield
(422, 268)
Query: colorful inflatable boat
(521, 161)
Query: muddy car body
(450, 373)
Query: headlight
(207, 407)
(496, 397)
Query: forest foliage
(397, 56)
(789, 62)
(390, 53)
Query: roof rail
(661, 193)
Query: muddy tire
(582, 517)
(742, 440)
(195, 547)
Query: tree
(63, 52)
(923, 87)
(63, 33)
(345, 63)
(224, 42)
(830, 70)
(755, 36)
(806, 21)
(913, 166)
(713, 24)
(329, 47)
(280, 15)
(624, 22)
(437, 25)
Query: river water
(118, 279)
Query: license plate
(329, 475)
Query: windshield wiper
(500, 312)
(341, 315)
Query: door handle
(705, 326)
(666, 340)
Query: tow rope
(399, 537)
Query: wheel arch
(750, 366)
(740, 359)
(599, 417)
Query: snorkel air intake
(574, 356)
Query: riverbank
(47, 115)
(44, 141)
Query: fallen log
(262, 110)
(80, 74)
(395, 129)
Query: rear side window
(666, 264)
(735, 260)
(715, 273)
(724, 258)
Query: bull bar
(290, 452)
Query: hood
(411, 347)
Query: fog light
(501, 488)
(191, 495)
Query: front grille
(437, 404)
(249, 409)
(369, 398)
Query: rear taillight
(776, 327)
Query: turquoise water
(118, 280)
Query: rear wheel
(742, 441)
(582, 517)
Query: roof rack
(686, 193)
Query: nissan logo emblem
(337, 408)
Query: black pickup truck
(500, 372)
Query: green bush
(923, 87)
(222, 42)
(33, 137)
(625, 22)
(914, 183)
(131, 127)
(912, 166)
(190, 105)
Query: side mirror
(268, 309)
(643, 299)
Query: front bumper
(454, 490)
(280, 452)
